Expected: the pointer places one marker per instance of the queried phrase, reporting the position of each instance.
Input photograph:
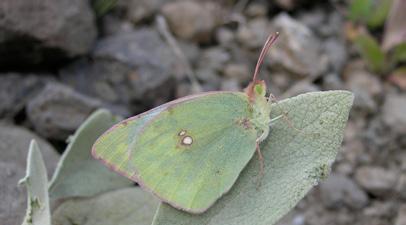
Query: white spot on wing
(182, 133)
(187, 140)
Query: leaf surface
(36, 182)
(295, 161)
(127, 206)
(78, 173)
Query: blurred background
(60, 60)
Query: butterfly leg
(261, 165)
(275, 119)
(284, 115)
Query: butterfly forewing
(192, 153)
(113, 146)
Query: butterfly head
(257, 88)
(256, 92)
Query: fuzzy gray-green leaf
(78, 173)
(295, 161)
(127, 206)
(36, 182)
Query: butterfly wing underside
(188, 153)
(112, 148)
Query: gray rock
(373, 221)
(57, 111)
(401, 186)
(363, 80)
(224, 36)
(286, 4)
(139, 10)
(16, 90)
(107, 80)
(111, 25)
(365, 86)
(230, 85)
(339, 190)
(193, 20)
(332, 81)
(312, 18)
(401, 218)
(298, 49)
(380, 209)
(300, 87)
(183, 89)
(325, 23)
(280, 82)
(143, 46)
(35, 31)
(127, 68)
(291, 4)
(378, 136)
(208, 76)
(333, 26)
(354, 151)
(402, 159)
(14, 143)
(376, 180)
(292, 218)
(344, 168)
(316, 214)
(394, 111)
(238, 71)
(214, 58)
(253, 34)
(191, 51)
(256, 9)
(210, 65)
(336, 52)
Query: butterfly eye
(258, 89)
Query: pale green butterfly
(189, 152)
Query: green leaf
(359, 9)
(399, 53)
(378, 13)
(295, 161)
(78, 173)
(36, 182)
(128, 206)
(371, 52)
(370, 12)
(102, 7)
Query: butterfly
(190, 151)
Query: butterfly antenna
(269, 42)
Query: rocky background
(62, 59)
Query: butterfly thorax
(261, 109)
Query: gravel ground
(59, 61)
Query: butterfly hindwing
(113, 146)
